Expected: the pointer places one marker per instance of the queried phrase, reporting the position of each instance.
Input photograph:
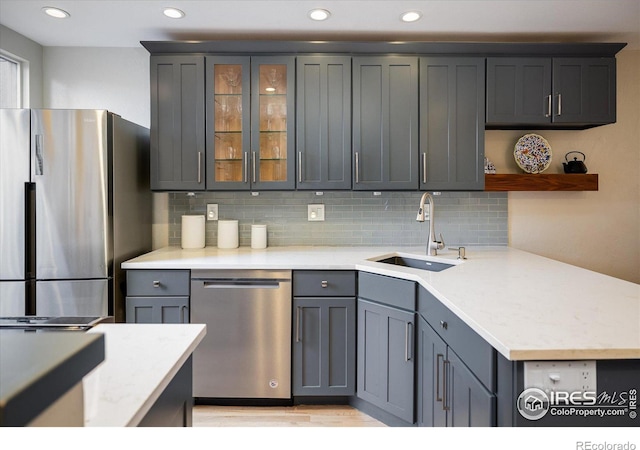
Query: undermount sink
(431, 266)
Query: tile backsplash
(351, 218)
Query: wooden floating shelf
(540, 182)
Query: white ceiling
(124, 23)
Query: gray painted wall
(351, 218)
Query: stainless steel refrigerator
(74, 204)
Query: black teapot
(575, 166)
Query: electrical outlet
(427, 211)
(568, 376)
(315, 213)
(212, 211)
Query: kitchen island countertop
(37, 368)
(526, 306)
(141, 360)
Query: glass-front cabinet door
(228, 122)
(272, 114)
(249, 143)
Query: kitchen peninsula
(500, 315)
(526, 306)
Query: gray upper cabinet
(250, 122)
(323, 122)
(584, 90)
(452, 112)
(228, 81)
(550, 92)
(177, 123)
(385, 123)
(273, 122)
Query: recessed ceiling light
(55, 12)
(173, 13)
(319, 14)
(411, 16)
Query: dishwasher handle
(242, 284)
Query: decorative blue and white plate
(532, 153)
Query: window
(9, 83)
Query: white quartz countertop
(141, 360)
(526, 306)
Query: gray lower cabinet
(157, 309)
(385, 358)
(324, 346)
(324, 334)
(323, 122)
(452, 115)
(448, 393)
(386, 350)
(157, 296)
(177, 123)
(550, 92)
(174, 407)
(385, 123)
(456, 374)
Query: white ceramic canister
(192, 235)
(227, 234)
(258, 236)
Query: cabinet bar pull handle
(424, 167)
(182, 309)
(559, 104)
(408, 348)
(199, 167)
(299, 167)
(445, 396)
(298, 324)
(357, 155)
(253, 166)
(548, 114)
(246, 167)
(156, 283)
(439, 357)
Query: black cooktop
(65, 322)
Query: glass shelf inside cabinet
(273, 122)
(228, 123)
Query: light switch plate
(315, 213)
(212, 211)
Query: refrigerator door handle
(39, 156)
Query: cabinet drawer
(157, 282)
(324, 283)
(388, 290)
(474, 351)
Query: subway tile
(352, 218)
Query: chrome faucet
(432, 245)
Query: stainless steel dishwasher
(246, 352)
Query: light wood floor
(281, 416)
